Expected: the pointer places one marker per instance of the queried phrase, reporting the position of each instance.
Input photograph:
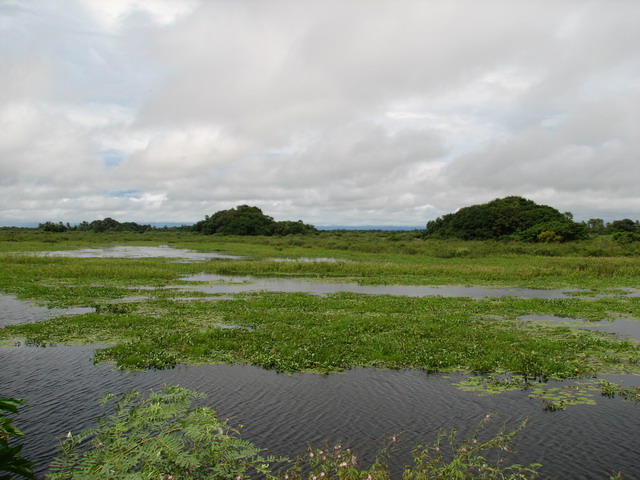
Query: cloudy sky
(334, 112)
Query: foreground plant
(158, 436)
(11, 460)
(445, 458)
(449, 458)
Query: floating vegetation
(553, 398)
(611, 390)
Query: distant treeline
(510, 218)
(242, 220)
(106, 225)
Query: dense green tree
(246, 220)
(624, 225)
(506, 217)
(53, 227)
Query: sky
(360, 112)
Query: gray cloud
(331, 112)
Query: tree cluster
(510, 217)
(246, 220)
(106, 225)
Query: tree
(595, 225)
(246, 220)
(624, 225)
(507, 217)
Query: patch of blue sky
(112, 157)
(125, 193)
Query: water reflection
(140, 252)
(14, 311)
(229, 284)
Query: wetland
(383, 333)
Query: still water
(221, 284)
(140, 252)
(281, 413)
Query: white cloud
(331, 112)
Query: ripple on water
(283, 412)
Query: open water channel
(281, 413)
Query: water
(282, 413)
(623, 327)
(15, 311)
(140, 252)
(229, 284)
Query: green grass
(301, 332)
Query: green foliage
(624, 225)
(610, 390)
(447, 458)
(554, 231)
(53, 227)
(246, 220)
(11, 460)
(158, 436)
(624, 238)
(97, 226)
(506, 217)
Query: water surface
(229, 284)
(14, 311)
(140, 252)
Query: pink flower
(169, 477)
(314, 478)
(322, 474)
(369, 477)
(311, 455)
(343, 464)
(393, 439)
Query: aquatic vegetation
(160, 435)
(609, 389)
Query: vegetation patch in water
(611, 390)
(301, 332)
(160, 435)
